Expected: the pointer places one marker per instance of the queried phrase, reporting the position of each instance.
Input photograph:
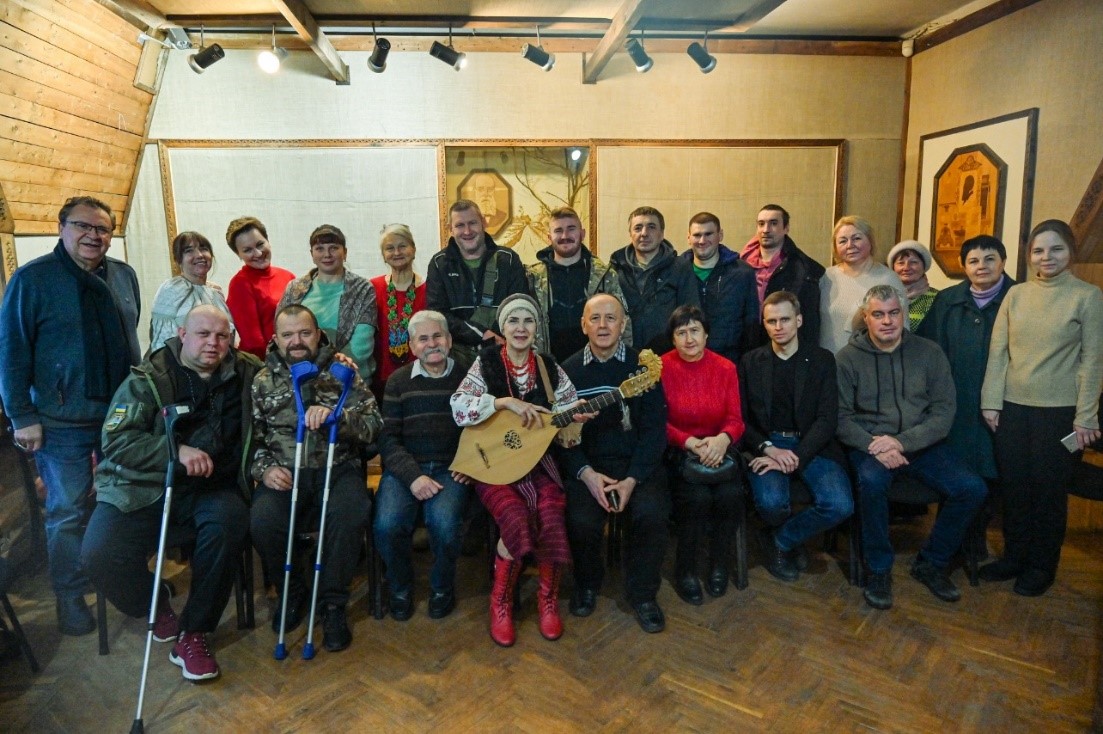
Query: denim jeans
(65, 465)
(395, 515)
(117, 545)
(830, 488)
(941, 470)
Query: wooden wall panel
(71, 120)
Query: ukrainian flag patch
(116, 417)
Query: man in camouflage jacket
(275, 419)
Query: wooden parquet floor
(802, 657)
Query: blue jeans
(395, 514)
(65, 465)
(830, 488)
(941, 470)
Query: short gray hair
(881, 293)
(421, 317)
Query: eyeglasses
(86, 228)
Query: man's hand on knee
(197, 462)
(277, 477)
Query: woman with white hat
(911, 260)
(529, 512)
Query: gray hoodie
(906, 393)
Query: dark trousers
(117, 545)
(647, 512)
(1035, 475)
(700, 510)
(346, 516)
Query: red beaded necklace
(520, 376)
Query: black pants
(1035, 475)
(346, 517)
(117, 545)
(647, 512)
(700, 510)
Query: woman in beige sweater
(1044, 376)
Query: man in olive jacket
(199, 368)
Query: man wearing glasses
(68, 337)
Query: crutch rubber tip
(279, 654)
(308, 651)
(137, 728)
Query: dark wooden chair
(12, 625)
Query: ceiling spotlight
(640, 58)
(205, 56)
(537, 55)
(269, 60)
(378, 60)
(700, 55)
(447, 54)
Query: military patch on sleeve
(116, 417)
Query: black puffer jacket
(729, 297)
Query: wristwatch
(764, 445)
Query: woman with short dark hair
(1041, 398)
(704, 421)
(256, 289)
(181, 293)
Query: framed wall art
(977, 179)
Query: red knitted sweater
(702, 398)
(252, 297)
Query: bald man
(199, 368)
(617, 468)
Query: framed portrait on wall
(978, 179)
(517, 184)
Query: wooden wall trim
(1087, 221)
(971, 22)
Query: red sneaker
(192, 654)
(166, 627)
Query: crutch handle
(301, 372)
(346, 376)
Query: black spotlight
(538, 56)
(378, 60)
(204, 57)
(701, 56)
(448, 55)
(640, 58)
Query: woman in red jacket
(256, 289)
(704, 420)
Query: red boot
(547, 601)
(506, 572)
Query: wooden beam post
(137, 13)
(300, 18)
(628, 15)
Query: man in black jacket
(725, 285)
(469, 278)
(781, 266)
(654, 281)
(791, 408)
(621, 452)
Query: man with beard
(469, 278)
(653, 279)
(275, 419)
(565, 275)
(781, 266)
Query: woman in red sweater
(704, 419)
(257, 288)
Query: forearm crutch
(301, 372)
(170, 413)
(345, 375)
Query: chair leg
(243, 590)
(857, 568)
(972, 552)
(375, 572)
(20, 636)
(741, 548)
(613, 542)
(101, 622)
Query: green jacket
(275, 416)
(135, 450)
(602, 279)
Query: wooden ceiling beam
(626, 18)
(300, 18)
(137, 13)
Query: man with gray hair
(418, 442)
(896, 405)
(68, 337)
